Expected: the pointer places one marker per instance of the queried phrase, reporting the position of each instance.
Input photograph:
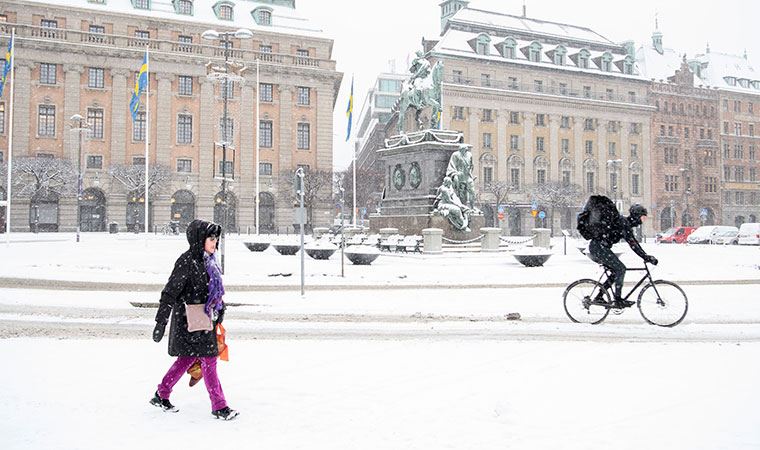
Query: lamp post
(686, 192)
(614, 166)
(78, 124)
(226, 39)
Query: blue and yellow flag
(140, 84)
(350, 109)
(6, 65)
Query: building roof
(726, 71)
(655, 65)
(285, 19)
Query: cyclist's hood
(197, 232)
(634, 221)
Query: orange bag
(224, 353)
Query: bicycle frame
(647, 276)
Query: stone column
(119, 116)
(473, 123)
(490, 242)
(502, 145)
(283, 140)
(601, 133)
(163, 114)
(554, 148)
(543, 237)
(72, 104)
(246, 154)
(624, 182)
(23, 127)
(528, 121)
(432, 241)
(645, 183)
(580, 152)
(207, 186)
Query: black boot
(163, 403)
(225, 413)
(619, 303)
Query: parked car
(677, 235)
(702, 235)
(749, 234)
(726, 236)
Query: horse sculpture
(420, 93)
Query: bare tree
(369, 187)
(499, 192)
(44, 177)
(317, 189)
(133, 178)
(555, 195)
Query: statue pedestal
(413, 224)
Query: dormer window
(731, 81)
(184, 7)
(604, 62)
(224, 10)
(743, 82)
(262, 16)
(508, 48)
(626, 65)
(558, 55)
(581, 58)
(141, 4)
(482, 44)
(533, 52)
(756, 84)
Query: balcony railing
(544, 89)
(55, 37)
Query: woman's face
(210, 245)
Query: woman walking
(193, 298)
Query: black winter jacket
(188, 284)
(622, 228)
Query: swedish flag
(350, 109)
(6, 65)
(140, 84)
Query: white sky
(368, 34)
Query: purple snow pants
(208, 368)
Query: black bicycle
(662, 303)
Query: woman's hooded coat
(188, 285)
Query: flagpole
(354, 152)
(10, 147)
(147, 135)
(256, 166)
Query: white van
(749, 234)
(702, 235)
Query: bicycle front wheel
(586, 301)
(663, 303)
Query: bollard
(490, 242)
(543, 237)
(432, 240)
(319, 231)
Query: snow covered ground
(356, 365)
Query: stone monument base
(414, 224)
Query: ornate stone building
(544, 102)
(684, 148)
(81, 56)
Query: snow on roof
(284, 19)
(457, 43)
(653, 65)
(728, 72)
(525, 24)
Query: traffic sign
(501, 216)
(534, 206)
(533, 213)
(542, 215)
(501, 209)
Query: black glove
(651, 259)
(158, 332)
(220, 318)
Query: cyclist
(600, 250)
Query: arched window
(541, 165)
(266, 212)
(558, 55)
(184, 7)
(483, 44)
(225, 210)
(224, 10)
(262, 16)
(667, 218)
(92, 210)
(604, 62)
(582, 58)
(515, 165)
(625, 65)
(183, 207)
(508, 48)
(534, 51)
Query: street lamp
(78, 124)
(686, 192)
(614, 165)
(224, 74)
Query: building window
(610, 94)
(612, 127)
(635, 184)
(304, 96)
(564, 122)
(265, 131)
(590, 187)
(265, 92)
(635, 128)
(225, 12)
(487, 175)
(94, 162)
(514, 117)
(566, 178)
(671, 183)
(534, 52)
(541, 176)
(184, 129)
(482, 45)
(752, 153)
(304, 136)
(565, 146)
(46, 121)
(614, 181)
(686, 133)
(738, 151)
(670, 131)
(485, 79)
(727, 173)
(512, 83)
(458, 113)
(671, 155)
(583, 58)
(738, 129)
(229, 92)
(486, 140)
(138, 127)
(185, 85)
(2, 119)
(96, 78)
(538, 85)
(589, 147)
(265, 168)
(50, 26)
(737, 106)
(634, 150)
(588, 125)
(138, 161)
(142, 34)
(611, 149)
(227, 132)
(711, 184)
(48, 73)
(563, 89)
(302, 56)
(514, 178)
(141, 4)
(539, 144)
(95, 119)
(751, 130)
(184, 7)
(265, 52)
(96, 33)
(587, 91)
(514, 142)
(725, 127)
(457, 76)
(186, 41)
(752, 174)
(263, 16)
(540, 120)
(184, 165)
(487, 115)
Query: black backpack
(597, 217)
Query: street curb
(69, 285)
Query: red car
(675, 235)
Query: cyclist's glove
(651, 259)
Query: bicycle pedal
(617, 311)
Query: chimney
(525, 10)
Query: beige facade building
(81, 57)
(544, 102)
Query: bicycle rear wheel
(663, 303)
(585, 301)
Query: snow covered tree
(317, 189)
(369, 188)
(496, 192)
(41, 177)
(556, 196)
(133, 178)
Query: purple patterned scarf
(215, 286)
